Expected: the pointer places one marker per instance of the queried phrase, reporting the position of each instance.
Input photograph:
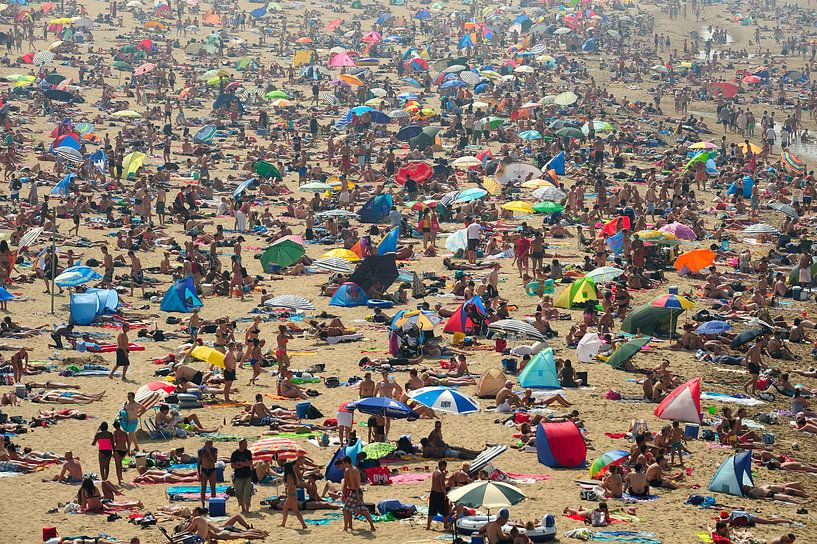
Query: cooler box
(217, 507)
(691, 431)
(302, 409)
(500, 344)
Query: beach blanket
(177, 489)
(225, 437)
(732, 399)
(344, 338)
(409, 477)
(645, 498)
(191, 497)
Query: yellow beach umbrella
(537, 183)
(518, 206)
(208, 355)
(341, 253)
(126, 114)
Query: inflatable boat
(543, 533)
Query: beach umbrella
(524, 69)
(5, 295)
(728, 90)
(69, 154)
(604, 274)
(518, 206)
(351, 80)
(443, 399)
(607, 460)
(657, 237)
(785, 209)
(703, 145)
(536, 183)
(760, 228)
(565, 99)
(275, 447)
(466, 162)
(333, 264)
(515, 327)
(243, 186)
(144, 68)
(424, 320)
(208, 355)
(485, 493)
(315, 187)
(675, 302)
(281, 103)
(378, 450)
(548, 193)
(754, 147)
(680, 231)
(375, 271)
(205, 134)
(598, 126)
(473, 193)
(276, 94)
(284, 252)
(293, 302)
(340, 253)
(126, 114)
(695, 260)
(792, 163)
(42, 58)
(570, 132)
(383, 406)
(77, 275)
(746, 336)
(408, 132)
(713, 327)
(163, 389)
(530, 135)
(627, 351)
(546, 206)
(588, 347)
(751, 80)
(345, 214)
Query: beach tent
(376, 209)
(540, 372)
(560, 445)
(181, 297)
(649, 319)
(375, 274)
(333, 472)
(389, 242)
(578, 292)
(86, 307)
(349, 294)
(748, 183)
(490, 383)
(459, 321)
(683, 404)
(733, 474)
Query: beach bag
(332, 382)
(612, 395)
(378, 476)
(396, 509)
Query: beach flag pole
(53, 255)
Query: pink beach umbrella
(339, 60)
(681, 231)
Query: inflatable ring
(379, 303)
(543, 533)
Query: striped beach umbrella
(792, 163)
(443, 399)
(333, 264)
(42, 58)
(293, 302)
(77, 275)
(515, 327)
(270, 447)
(488, 494)
(785, 208)
(69, 154)
(150, 389)
(604, 274)
(603, 463)
(760, 228)
(675, 302)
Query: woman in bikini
(291, 501)
(120, 448)
(281, 349)
(103, 440)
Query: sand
(26, 500)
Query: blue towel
(640, 498)
(182, 466)
(193, 489)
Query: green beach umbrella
(378, 450)
(547, 206)
(283, 253)
(267, 170)
(627, 351)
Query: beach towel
(742, 400)
(645, 498)
(410, 477)
(178, 489)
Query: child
(677, 441)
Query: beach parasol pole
(53, 255)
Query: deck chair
(181, 538)
(154, 431)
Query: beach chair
(181, 538)
(154, 431)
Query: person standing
(122, 354)
(291, 501)
(352, 495)
(129, 418)
(473, 233)
(103, 440)
(230, 363)
(206, 468)
(241, 461)
(437, 501)
(120, 448)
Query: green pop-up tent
(649, 319)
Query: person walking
(291, 501)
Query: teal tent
(181, 297)
(733, 475)
(540, 372)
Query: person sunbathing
(789, 492)
(209, 532)
(804, 424)
(287, 389)
(159, 476)
(506, 400)
(91, 500)
(528, 400)
(50, 385)
(60, 396)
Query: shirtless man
(132, 412)
(107, 265)
(613, 483)
(388, 388)
(352, 495)
(507, 400)
(230, 364)
(753, 366)
(191, 374)
(366, 387)
(655, 474)
(438, 502)
(208, 532)
(789, 492)
(493, 531)
(636, 482)
(71, 471)
(122, 354)
(137, 276)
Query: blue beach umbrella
(530, 135)
(713, 327)
(383, 406)
(5, 295)
(77, 275)
(467, 195)
(443, 399)
(408, 132)
(242, 187)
